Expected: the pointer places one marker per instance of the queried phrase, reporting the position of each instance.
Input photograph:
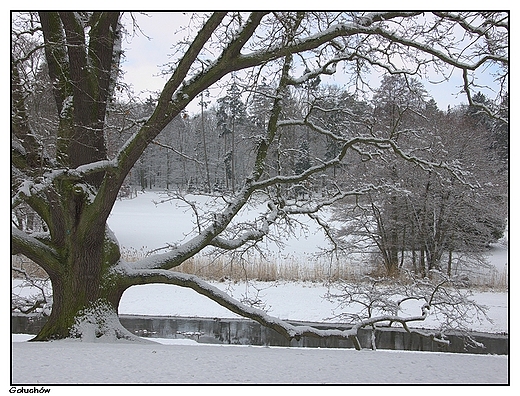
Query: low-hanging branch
(283, 327)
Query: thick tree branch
(205, 237)
(34, 249)
(189, 57)
(316, 40)
(141, 277)
(253, 235)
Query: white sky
(145, 56)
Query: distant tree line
(424, 219)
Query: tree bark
(83, 281)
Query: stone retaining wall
(247, 332)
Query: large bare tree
(73, 187)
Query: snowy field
(147, 223)
(74, 362)
(292, 300)
(139, 223)
(143, 224)
(171, 361)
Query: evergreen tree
(231, 117)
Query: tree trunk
(422, 262)
(83, 304)
(82, 281)
(450, 259)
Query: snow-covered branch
(93, 167)
(139, 277)
(482, 30)
(328, 68)
(384, 298)
(379, 143)
(26, 304)
(481, 106)
(250, 235)
(222, 298)
(316, 40)
(354, 144)
(34, 249)
(34, 187)
(455, 61)
(205, 237)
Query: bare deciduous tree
(73, 188)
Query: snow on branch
(94, 167)
(208, 235)
(313, 41)
(311, 208)
(21, 238)
(250, 235)
(328, 68)
(32, 248)
(141, 277)
(34, 187)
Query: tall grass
(273, 268)
(262, 269)
(306, 269)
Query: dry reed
(270, 269)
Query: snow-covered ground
(290, 300)
(139, 223)
(74, 362)
(175, 361)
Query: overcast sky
(145, 56)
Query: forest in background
(404, 212)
